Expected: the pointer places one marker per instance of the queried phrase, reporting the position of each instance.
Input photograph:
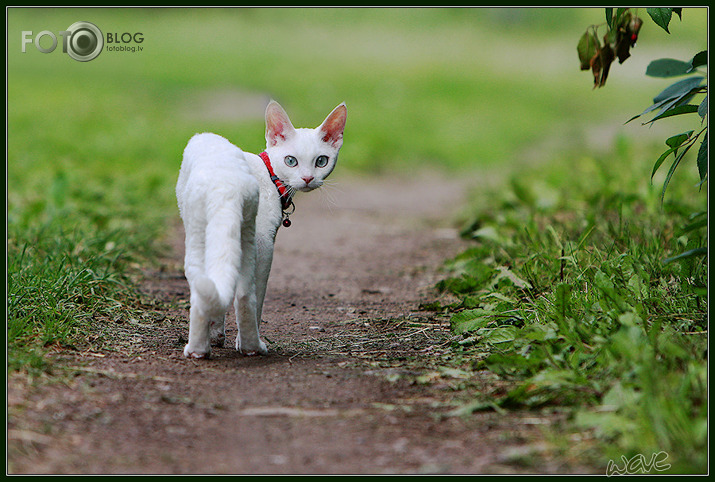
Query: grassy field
(569, 241)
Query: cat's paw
(253, 349)
(190, 352)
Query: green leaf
(673, 104)
(703, 108)
(587, 47)
(668, 68)
(673, 111)
(501, 334)
(660, 160)
(674, 95)
(678, 139)
(677, 94)
(609, 17)
(679, 89)
(469, 320)
(658, 105)
(703, 159)
(661, 16)
(700, 59)
(673, 167)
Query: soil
(352, 383)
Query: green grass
(566, 296)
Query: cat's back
(211, 151)
(214, 156)
(212, 164)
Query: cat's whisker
(328, 190)
(332, 184)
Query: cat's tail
(229, 247)
(206, 289)
(217, 286)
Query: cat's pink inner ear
(274, 134)
(334, 125)
(278, 125)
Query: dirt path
(339, 392)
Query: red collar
(283, 192)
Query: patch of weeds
(72, 265)
(59, 282)
(566, 296)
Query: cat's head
(303, 158)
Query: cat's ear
(278, 125)
(331, 130)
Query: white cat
(232, 203)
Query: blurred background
(458, 89)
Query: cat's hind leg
(200, 315)
(197, 346)
(248, 340)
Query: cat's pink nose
(307, 179)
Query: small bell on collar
(287, 211)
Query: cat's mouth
(308, 186)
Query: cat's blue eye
(321, 161)
(291, 161)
